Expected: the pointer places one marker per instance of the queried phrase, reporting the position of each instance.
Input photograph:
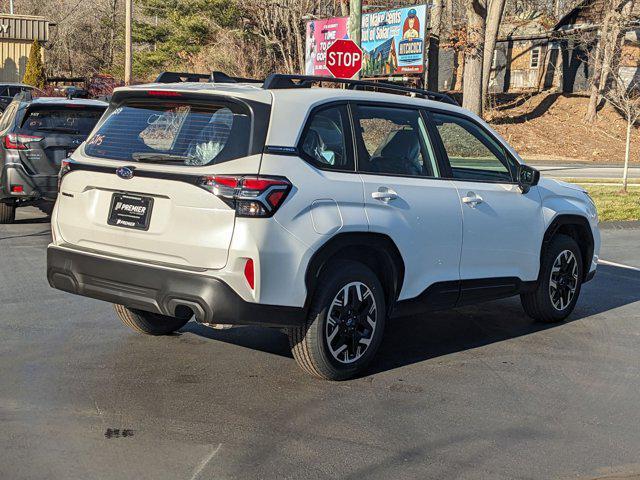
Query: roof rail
(215, 76)
(277, 81)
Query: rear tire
(345, 324)
(7, 212)
(46, 207)
(559, 283)
(149, 323)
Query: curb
(571, 162)
(620, 225)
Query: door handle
(472, 199)
(384, 194)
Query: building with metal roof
(17, 33)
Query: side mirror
(527, 177)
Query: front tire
(7, 213)
(559, 283)
(345, 324)
(149, 323)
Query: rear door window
(393, 141)
(326, 141)
(77, 120)
(181, 133)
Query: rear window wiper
(158, 157)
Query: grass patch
(613, 203)
(616, 181)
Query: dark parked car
(36, 136)
(9, 90)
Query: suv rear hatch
(49, 133)
(147, 185)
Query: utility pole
(355, 24)
(128, 47)
(433, 49)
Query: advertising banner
(320, 35)
(393, 41)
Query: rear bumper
(34, 186)
(160, 290)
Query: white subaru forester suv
(321, 211)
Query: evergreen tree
(175, 29)
(34, 74)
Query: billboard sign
(393, 41)
(319, 37)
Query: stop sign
(344, 59)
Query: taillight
(251, 196)
(15, 141)
(249, 273)
(65, 167)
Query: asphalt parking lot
(475, 393)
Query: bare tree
(344, 8)
(607, 51)
(624, 96)
(494, 18)
(281, 27)
(229, 53)
(87, 36)
(474, 55)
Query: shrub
(34, 74)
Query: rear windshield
(173, 132)
(78, 120)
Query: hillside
(549, 126)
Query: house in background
(17, 33)
(630, 61)
(534, 54)
(576, 37)
(519, 58)
(521, 54)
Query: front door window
(471, 153)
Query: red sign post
(344, 59)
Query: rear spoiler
(215, 77)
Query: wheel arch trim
(357, 244)
(572, 220)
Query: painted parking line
(619, 265)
